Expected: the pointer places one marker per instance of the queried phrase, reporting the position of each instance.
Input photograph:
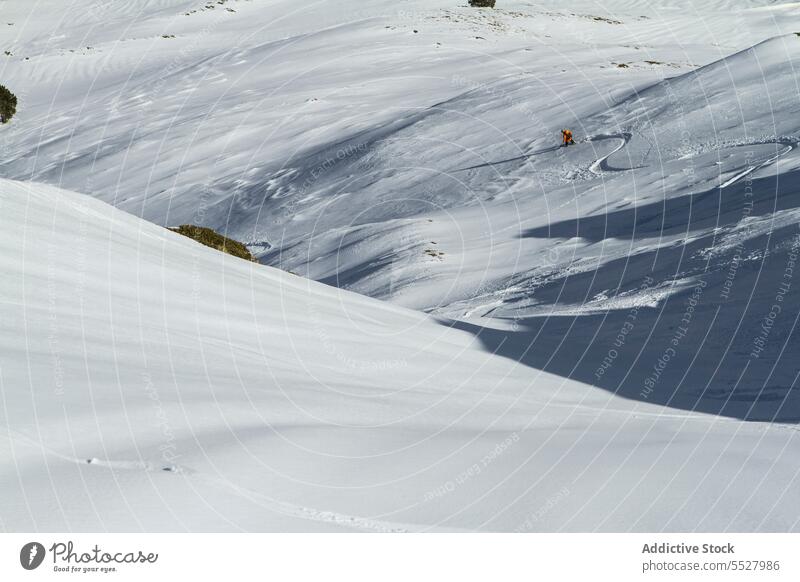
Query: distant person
(567, 135)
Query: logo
(31, 555)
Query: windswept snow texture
(598, 337)
(150, 383)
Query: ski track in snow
(486, 308)
(790, 144)
(601, 164)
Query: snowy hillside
(150, 383)
(282, 119)
(525, 337)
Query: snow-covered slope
(404, 151)
(151, 383)
(678, 213)
(284, 119)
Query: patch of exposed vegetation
(478, 21)
(436, 254)
(604, 19)
(210, 6)
(664, 64)
(482, 3)
(8, 104)
(213, 239)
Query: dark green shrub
(214, 240)
(482, 3)
(8, 105)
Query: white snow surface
(455, 325)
